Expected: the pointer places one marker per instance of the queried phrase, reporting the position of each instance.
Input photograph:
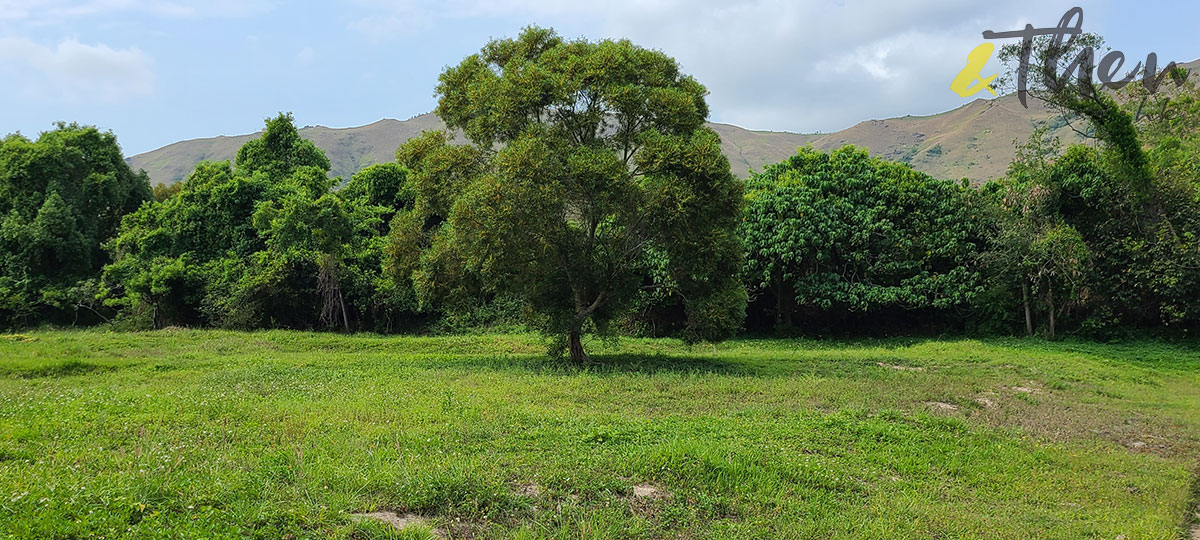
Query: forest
(579, 193)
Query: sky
(156, 72)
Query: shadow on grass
(63, 369)
(1183, 355)
(858, 359)
(620, 363)
(614, 364)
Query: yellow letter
(975, 62)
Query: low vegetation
(212, 434)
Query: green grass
(198, 434)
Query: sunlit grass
(199, 434)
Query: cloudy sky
(156, 72)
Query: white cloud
(773, 64)
(77, 71)
(385, 27)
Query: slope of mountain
(349, 149)
(974, 141)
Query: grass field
(199, 434)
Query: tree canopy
(61, 196)
(1130, 201)
(268, 242)
(843, 233)
(585, 161)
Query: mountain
(349, 149)
(974, 141)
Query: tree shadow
(1158, 355)
(625, 363)
(761, 364)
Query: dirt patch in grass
(532, 491)
(647, 500)
(1059, 419)
(649, 492)
(398, 521)
(898, 367)
(941, 406)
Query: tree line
(589, 197)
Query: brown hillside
(974, 141)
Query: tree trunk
(778, 305)
(783, 305)
(1028, 313)
(345, 318)
(1050, 307)
(330, 288)
(575, 346)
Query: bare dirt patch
(649, 491)
(646, 500)
(899, 367)
(398, 521)
(530, 490)
(987, 403)
(1053, 419)
(941, 406)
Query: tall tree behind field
(837, 240)
(263, 243)
(1133, 198)
(61, 197)
(587, 160)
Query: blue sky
(156, 72)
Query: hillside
(974, 141)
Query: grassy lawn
(204, 434)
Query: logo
(970, 81)
(975, 62)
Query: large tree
(1032, 248)
(60, 198)
(588, 160)
(265, 242)
(1132, 198)
(839, 234)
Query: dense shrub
(60, 198)
(835, 241)
(266, 243)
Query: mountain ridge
(973, 141)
